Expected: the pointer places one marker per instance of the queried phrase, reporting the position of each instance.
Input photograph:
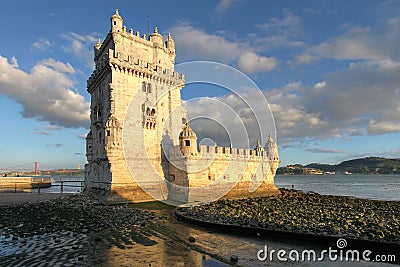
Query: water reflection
(170, 247)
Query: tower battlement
(207, 151)
(136, 67)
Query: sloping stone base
(129, 193)
(212, 193)
(132, 193)
(241, 190)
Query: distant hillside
(370, 165)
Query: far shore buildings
(141, 147)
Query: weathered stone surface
(140, 147)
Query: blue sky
(328, 68)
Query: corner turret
(116, 22)
(188, 141)
(156, 38)
(272, 149)
(97, 48)
(258, 148)
(170, 44)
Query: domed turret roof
(116, 15)
(98, 45)
(155, 32)
(169, 38)
(270, 140)
(187, 132)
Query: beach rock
(234, 258)
(299, 212)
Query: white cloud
(56, 145)
(363, 43)
(224, 5)
(232, 116)
(326, 150)
(320, 85)
(289, 25)
(54, 127)
(42, 44)
(14, 62)
(47, 133)
(82, 136)
(356, 43)
(80, 46)
(381, 127)
(305, 59)
(362, 99)
(57, 65)
(250, 62)
(279, 32)
(195, 43)
(45, 93)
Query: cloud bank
(196, 44)
(45, 93)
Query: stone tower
(140, 146)
(130, 66)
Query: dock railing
(32, 184)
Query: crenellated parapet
(220, 152)
(135, 67)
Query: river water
(380, 187)
(70, 184)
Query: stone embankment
(306, 215)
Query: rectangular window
(187, 142)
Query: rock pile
(307, 213)
(77, 213)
